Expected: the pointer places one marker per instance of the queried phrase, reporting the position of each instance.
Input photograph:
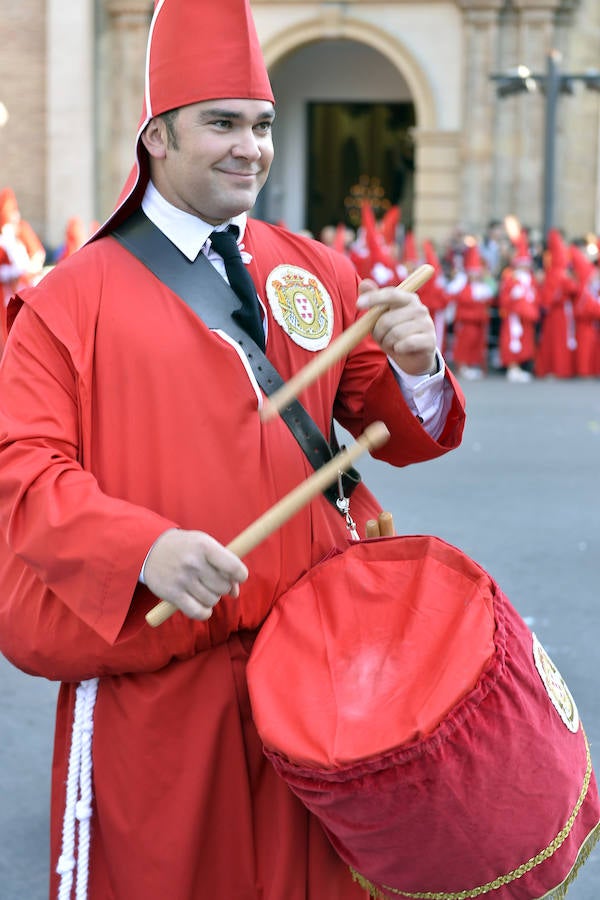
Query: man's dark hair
(169, 118)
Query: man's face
(219, 160)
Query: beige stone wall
(578, 164)
(70, 103)
(120, 87)
(477, 156)
(402, 33)
(438, 204)
(22, 90)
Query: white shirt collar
(187, 232)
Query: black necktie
(248, 316)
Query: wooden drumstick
(342, 345)
(372, 437)
(382, 526)
(385, 521)
(372, 528)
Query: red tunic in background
(557, 342)
(122, 415)
(471, 324)
(518, 302)
(586, 309)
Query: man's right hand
(192, 571)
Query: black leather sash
(201, 287)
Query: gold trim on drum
(557, 690)
(384, 892)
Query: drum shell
(500, 797)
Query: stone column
(437, 179)
(521, 117)
(481, 38)
(536, 39)
(122, 53)
(70, 104)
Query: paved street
(521, 496)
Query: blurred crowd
(501, 301)
(24, 259)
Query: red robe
(471, 324)
(519, 311)
(24, 253)
(122, 415)
(436, 299)
(586, 309)
(557, 342)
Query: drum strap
(201, 287)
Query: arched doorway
(344, 113)
(358, 150)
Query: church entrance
(343, 129)
(356, 151)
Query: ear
(154, 138)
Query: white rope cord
(83, 810)
(78, 802)
(66, 862)
(570, 320)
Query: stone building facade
(71, 77)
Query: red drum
(409, 707)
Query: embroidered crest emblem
(557, 689)
(301, 305)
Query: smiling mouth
(235, 174)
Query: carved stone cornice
(129, 10)
(557, 6)
(538, 5)
(481, 5)
(118, 7)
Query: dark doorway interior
(355, 150)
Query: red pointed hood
(582, 266)
(472, 259)
(377, 250)
(431, 257)
(522, 255)
(389, 224)
(9, 208)
(409, 251)
(371, 258)
(197, 50)
(74, 237)
(558, 250)
(339, 242)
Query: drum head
(379, 642)
(408, 706)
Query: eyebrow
(217, 112)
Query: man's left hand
(405, 331)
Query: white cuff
(428, 396)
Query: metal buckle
(343, 504)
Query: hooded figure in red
(586, 309)
(518, 303)
(372, 256)
(472, 318)
(74, 238)
(434, 294)
(557, 340)
(132, 453)
(22, 254)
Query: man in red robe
(132, 452)
(434, 294)
(586, 310)
(557, 340)
(518, 303)
(472, 318)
